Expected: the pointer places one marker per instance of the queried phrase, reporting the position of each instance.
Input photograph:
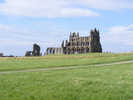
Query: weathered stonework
(95, 45)
(78, 45)
(35, 52)
(54, 51)
(28, 53)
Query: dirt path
(65, 68)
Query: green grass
(88, 83)
(60, 61)
(93, 83)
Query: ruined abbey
(78, 45)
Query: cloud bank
(43, 8)
(118, 38)
(61, 8)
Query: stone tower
(36, 50)
(95, 45)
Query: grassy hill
(91, 83)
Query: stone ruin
(78, 44)
(54, 51)
(28, 53)
(35, 52)
(1, 54)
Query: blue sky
(48, 22)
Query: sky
(49, 22)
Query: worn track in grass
(66, 68)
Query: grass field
(60, 61)
(92, 83)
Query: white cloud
(121, 34)
(106, 4)
(118, 38)
(61, 8)
(43, 8)
(4, 27)
(18, 36)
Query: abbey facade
(78, 45)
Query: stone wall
(76, 44)
(54, 51)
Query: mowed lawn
(22, 63)
(93, 83)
